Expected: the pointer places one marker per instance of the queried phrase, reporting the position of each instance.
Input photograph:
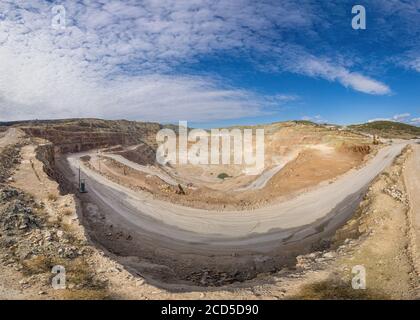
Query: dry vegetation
(389, 129)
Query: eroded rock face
(85, 134)
(143, 154)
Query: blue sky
(212, 63)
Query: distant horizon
(13, 122)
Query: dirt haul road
(181, 243)
(11, 136)
(146, 169)
(263, 179)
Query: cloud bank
(119, 59)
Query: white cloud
(316, 67)
(76, 72)
(414, 63)
(402, 117)
(410, 60)
(117, 59)
(379, 119)
(56, 87)
(317, 119)
(415, 121)
(113, 59)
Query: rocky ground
(40, 229)
(9, 158)
(378, 238)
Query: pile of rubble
(16, 212)
(26, 234)
(314, 260)
(395, 193)
(209, 278)
(9, 159)
(318, 259)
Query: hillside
(388, 129)
(72, 135)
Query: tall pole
(79, 175)
(99, 160)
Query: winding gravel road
(236, 227)
(185, 239)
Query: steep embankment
(85, 134)
(412, 181)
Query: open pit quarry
(194, 231)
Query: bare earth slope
(412, 181)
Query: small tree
(223, 176)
